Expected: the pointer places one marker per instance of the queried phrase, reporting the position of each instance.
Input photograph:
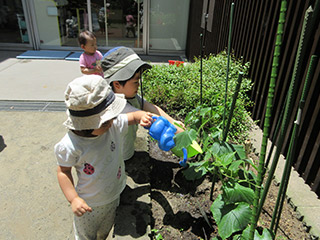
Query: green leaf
(195, 170)
(240, 151)
(237, 193)
(234, 218)
(234, 166)
(227, 159)
(265, 235)
(218, 149)
(216, 208)
(184, 139)
(204, 111)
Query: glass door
(60, 21)
(117, 23)
(13, 24)
(114, 22)
(168, 24)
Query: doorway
(117, 23)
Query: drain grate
(37, 106)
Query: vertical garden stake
(274, 73)
(228, 63)
(292, 148)
(235, 96)
(292, 93)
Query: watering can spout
(183, 162)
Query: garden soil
(181, 208)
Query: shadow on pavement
(133, 214)
(2, 144)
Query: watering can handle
(183, 162)
(154, 118)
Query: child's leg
(96, 224)
(107, 223)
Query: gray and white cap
(121, 63)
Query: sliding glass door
(168, 24)
(59, 22)
(13, 24)
(117, 23)
(145, 25)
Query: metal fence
(253, 39)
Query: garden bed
(181, 208)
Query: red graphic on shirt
(119, 173)
(88, 169)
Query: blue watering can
(163, 131)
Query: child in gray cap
(122, 68)
(93, 146)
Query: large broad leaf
(240, 151)
(265, 235)
(204, 111)
(195, 170)
(230, 218)
(216, 208)
(225, 159)
(237, 193)
(235, 166)
(218, 149)
(185, 138)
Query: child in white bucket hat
(93, 146)
(122, 69)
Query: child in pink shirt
(90, 59)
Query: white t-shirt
(98, 162)
(132, 105)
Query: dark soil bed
(181, 208)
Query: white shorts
(96, 224)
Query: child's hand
(80, 207)
(98, 69)
(146, 120)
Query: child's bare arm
(149, 107)
(79, 206)
(85, 70)
(140, 117)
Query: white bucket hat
(91, 102)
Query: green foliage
(259, 234)
(185, 138)
(157, 234)
(231, 210)
(230, 218)
(177, 90)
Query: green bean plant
(229, 164)
(176, 90)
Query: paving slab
(36, 80)
(33, 205)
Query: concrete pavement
(33, 206)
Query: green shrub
(177, 90)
